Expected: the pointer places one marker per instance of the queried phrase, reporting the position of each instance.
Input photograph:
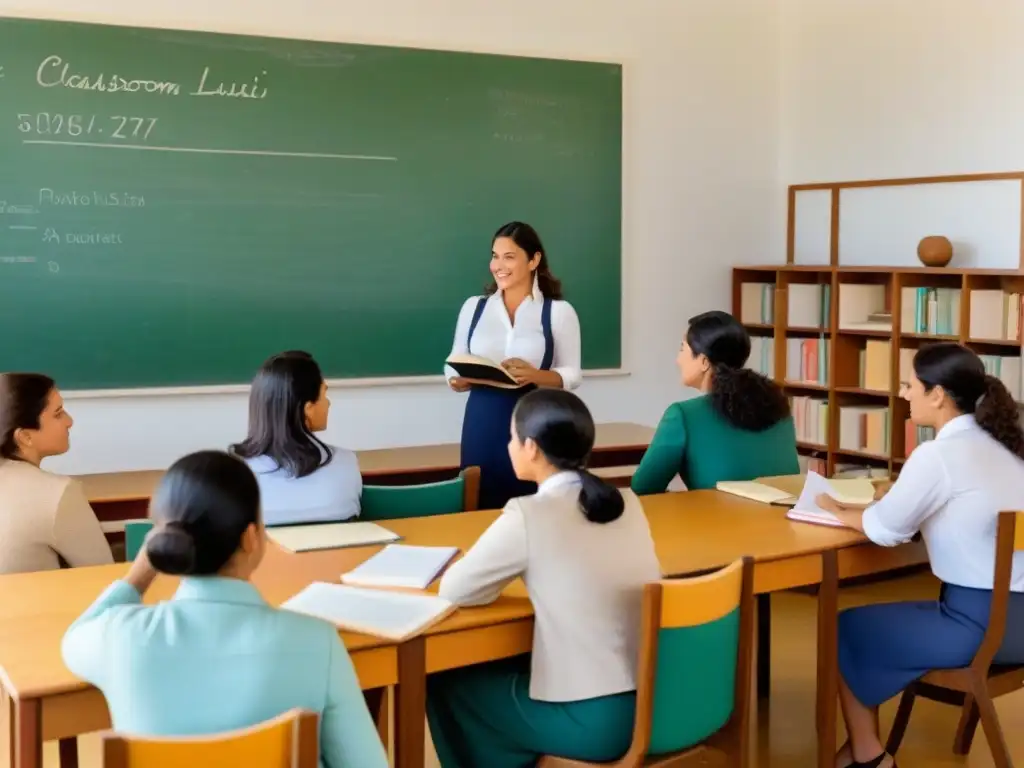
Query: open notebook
(806, 509)
(401, 565)
(304, 538)
(393, 615)
(856, 490)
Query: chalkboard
(176, 206)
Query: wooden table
(118, 496)
(694, 532)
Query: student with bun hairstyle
(45, 518)
(216, 657)
(585, 551)
(740, 428)
(951, 491)
(302, 479)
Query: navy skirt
(885, 647)
(486, 432)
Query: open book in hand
(806, 509)
(480, 370)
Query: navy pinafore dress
(487, 425)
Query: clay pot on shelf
(935, 251)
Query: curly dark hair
(743, 397)
(962, 376)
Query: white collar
(558, 480)
(961, 423)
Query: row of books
(914, 435)
(809, 305)
(762, 355)
(810, 417)
(995, 315)
(807, 360)
(757, 303)
(875, 368)
(1006, 368)
(864, 428)
(931, 310)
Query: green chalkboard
(176, 206)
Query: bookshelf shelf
(855, 372)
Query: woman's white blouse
(952, 490)
(498, 339)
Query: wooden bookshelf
(841, 385)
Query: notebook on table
(402, 566)
(750, 489)
(306, 538)
(806, 509)
(394, 616)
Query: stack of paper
(393, 615)
(303, 538)
(400, 565)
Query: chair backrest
(389, 502)
(134, 534)
(1009, 540)
(288, 741)
(695, 656)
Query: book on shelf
(480, 370)
(858, 303)
(762, 355)
(812, 464)
(914, 435)
(306, 538)
(809, 305)
(395, 616)
(995, 315)
(875, 369)
(933, 311)
(757, 303)
(807, 360)
(401, 566)
(864, 428)
(810, 418)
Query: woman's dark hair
(23, 398)
(743, 397)
(962, 377)
(201, 508)
(526, 237)
(563, 429)
(277, 417)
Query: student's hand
(827, 503)
(521, 371)
(881, 488)
(141, 573)
(459, 384)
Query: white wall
(700, 187)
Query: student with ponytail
(951, 491)
(739, 429)
(585, 551)
(216, 657)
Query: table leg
(69, 752)
(26, 742)
(764, 646)
(827, 693)
(411, 704)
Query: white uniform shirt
(952, 490)
(585, 581)
(497, 338)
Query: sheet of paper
(394, 615)
(303, 538)
(807, 508)
(401, 565)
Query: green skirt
(484, 716)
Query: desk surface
(134, 485)
(693, 532)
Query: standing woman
(522, 322)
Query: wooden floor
(787, 729)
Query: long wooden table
(118, 496)
(694, 532)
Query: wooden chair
(693, 679)
(288, 741)
(390, 502)
(974, 687)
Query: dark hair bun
(171, 550)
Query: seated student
(44, 518)
(951, 490)
(215, 657)
(585, 552)
(301, 479)
(739, 429)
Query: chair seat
(1011, 675)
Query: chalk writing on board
(74, 198)
(1, 73)
(251, 90)
(17, 259)
(116, 126)
(54, 72)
